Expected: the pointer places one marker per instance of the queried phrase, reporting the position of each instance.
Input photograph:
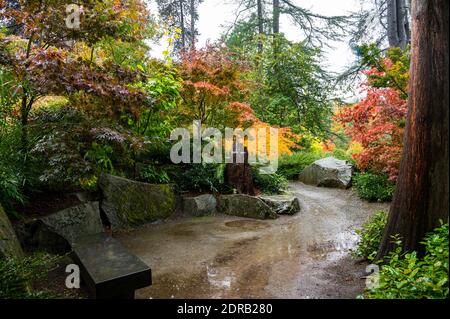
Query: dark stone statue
(239, 175)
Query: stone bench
(108, 269)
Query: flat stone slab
(75, 222)
(108, 268)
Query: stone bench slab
(108, 269)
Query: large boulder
(57, 232)
(328, 172)
(202, 205)
(75, 222)
(282, 205)
(128, 203)
(9, 244)
(245, 206)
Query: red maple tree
(377, 122)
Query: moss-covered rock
(9, 245)
(128, 203)
(245, 206)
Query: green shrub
(12, 175)
(53, 114)
(8, 95)
(17, 276)
(290, 166)
(68, 149)
(373, 187)
(406, 276)
(202, 178)
(153, 175)
(157, 152)
(342, 154)
(269, 183)
(370, 236)
(10, 187)
(101, 155)
(51, 102)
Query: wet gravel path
(300, 256)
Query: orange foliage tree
(211, 82)
(246, 117)
(213, 92)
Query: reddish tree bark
(422, 195)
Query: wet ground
(300, 256)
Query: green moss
(138, 203)
(9, 245)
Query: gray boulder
(128, 203)
(71, 224)
(9, 244)
(202, 205)
(245, 206)
(282, 205)
(57, 232)
(328, 172)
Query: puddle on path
(300, 256)
(248, 224)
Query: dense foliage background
(78, 102)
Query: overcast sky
(216, 15)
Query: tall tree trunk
(276, 16)
(192, 24)
(421, 198)
(397, 23)
(406, 27)
(403, 24)
(182, 27)
(260, 25)
(392, 23)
